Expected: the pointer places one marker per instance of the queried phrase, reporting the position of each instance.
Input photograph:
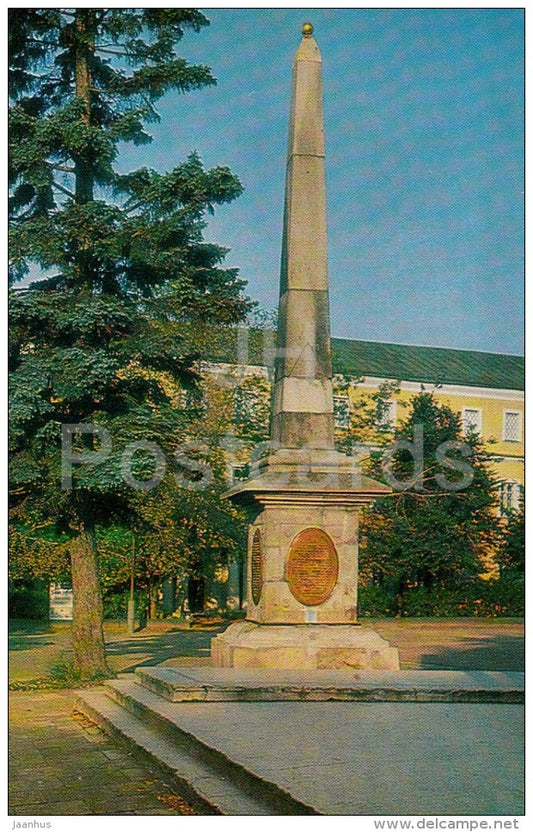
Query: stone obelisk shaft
(303, 402)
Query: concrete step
(339, 757)
(209, 684)
(144, 721)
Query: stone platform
(216, 684)
(246, 644)
(454, 745)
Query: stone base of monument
(246, 644)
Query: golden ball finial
(307, 30)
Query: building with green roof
(486, 389)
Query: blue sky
(424, 144)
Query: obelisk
(305, 498)
(303, 400)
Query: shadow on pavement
(24, 627)
(424, 644)
(164, 646)
(28, 643)
(489, 653)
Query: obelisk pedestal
(306, 497)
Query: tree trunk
(87, 624)
(87, 621)
(196, 593)
(84, 45)
(241, 582)
(152, 599)
(169, 596)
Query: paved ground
(427, 644)
(455, 643)
(47, 745)
(34, 650)
(60, 765)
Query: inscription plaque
(257, 566)
(312, 567)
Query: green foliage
(188, 532)
(131, 271)
(437, 530)
(505, 596)
(106, 334)
(63, 673)
(501, 597)
(116, 604)
(28, 600)
(37, 550)
(375, 600)
(252, 403)
(365, 417)
(513, 555)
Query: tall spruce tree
(124, 275)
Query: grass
(62, 674)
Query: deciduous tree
(440, 523)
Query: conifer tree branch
(98, 48)
(53, 44)
(64, 168)
(63, 189)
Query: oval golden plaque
(312, 567)
(257, 566)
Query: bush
(116, 605)
(376, 601)
(424, 602)
(503, 597)
(29, 600)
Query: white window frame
(479, 426)
(389, 422)
(232, 467)
(510, 492)
(346, 416)
(516, 413)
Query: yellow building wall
(508, 456)
(510, 465)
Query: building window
(512, 426)
(471, 420)
(386, 414)
(341, 410)
(510, 492)
(242, 405)
(236, 472)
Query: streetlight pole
(131, 600)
